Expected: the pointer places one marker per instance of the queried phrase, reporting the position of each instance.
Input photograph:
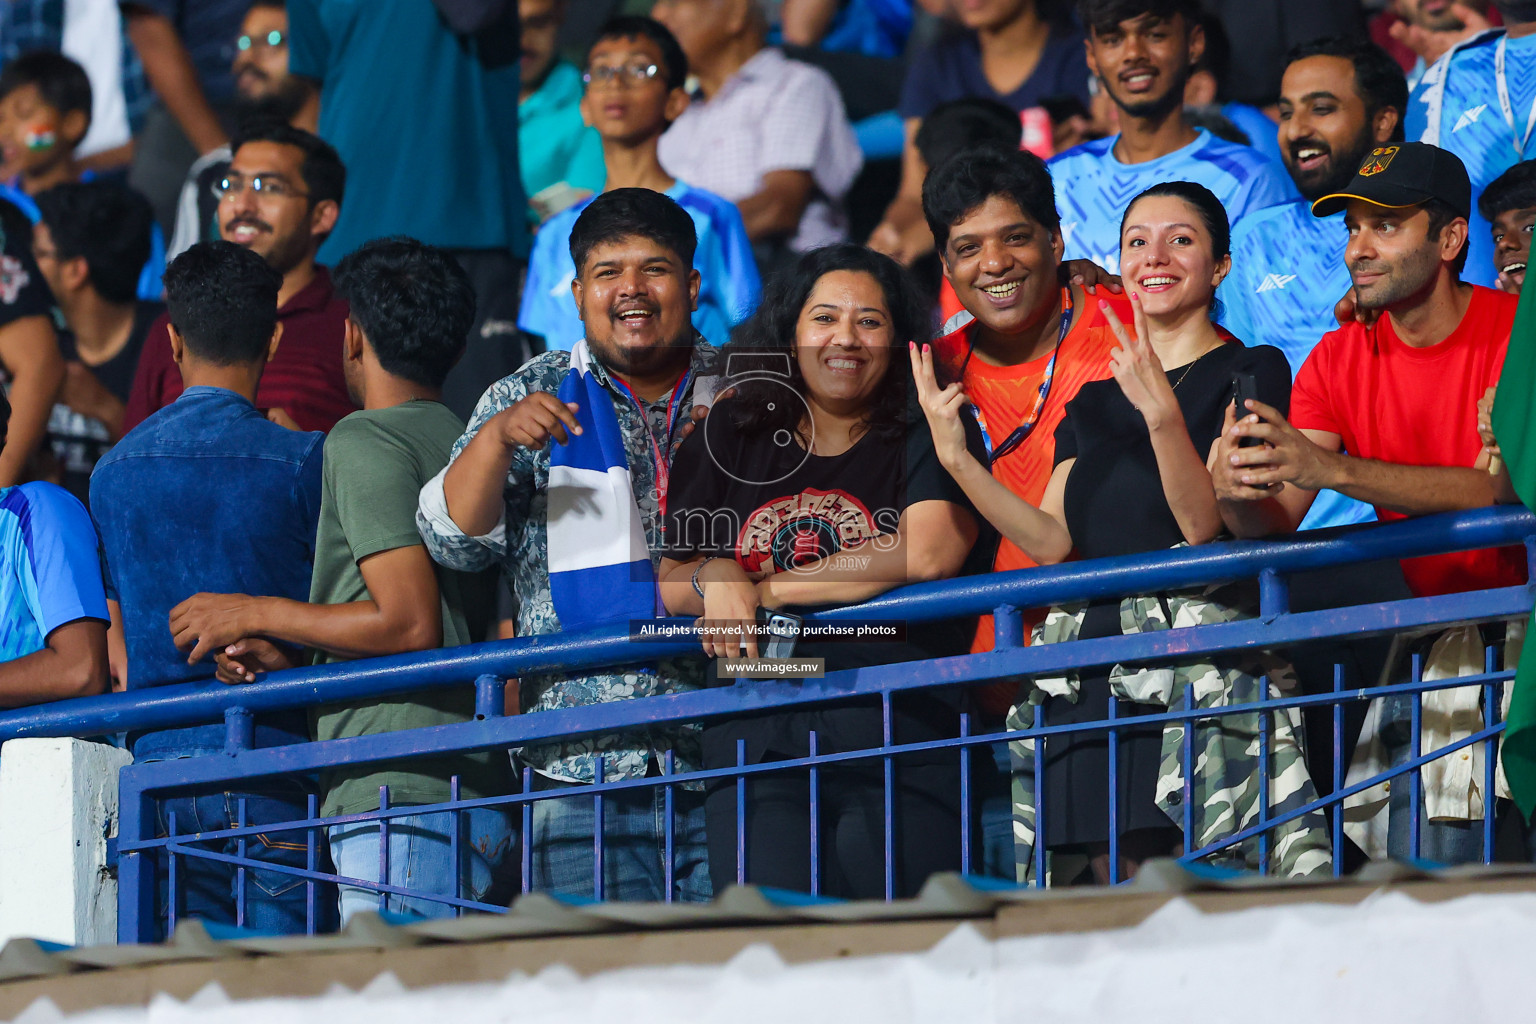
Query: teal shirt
(553, 145)
(425, 120)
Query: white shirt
(774, 114)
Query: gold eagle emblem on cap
(1378, 160)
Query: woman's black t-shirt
(1114, 500)
(761, 498)
(764, 501)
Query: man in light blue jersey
(1479, 102)
(1142, 53)
(635, 73)
(53, 603)
(1339, 99)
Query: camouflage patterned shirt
(520, 545)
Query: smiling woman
(813, 485)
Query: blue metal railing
(1271, 563)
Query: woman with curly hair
(816, 483)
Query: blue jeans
(421, 859)
(209, 890)
(997, 859)
(634, 844)
(1440, 842)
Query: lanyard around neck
(1506, 107)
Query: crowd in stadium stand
(332, 330)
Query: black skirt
(1075, 800)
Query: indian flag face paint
(39, 137)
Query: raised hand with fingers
(941, 407)
(1139, 372)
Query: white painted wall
(54, 796)
(1389, 958)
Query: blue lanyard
(1021, 433)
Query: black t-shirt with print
(79, 441)
(22, 290)
(762, 499)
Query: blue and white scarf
(599, 560)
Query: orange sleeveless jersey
(1005, 395)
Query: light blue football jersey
(50, 567)
(1287, 274)
(1456, 106)
(1093, 188)
(729, 286)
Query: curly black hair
(764, 340)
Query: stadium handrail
(1271, 561)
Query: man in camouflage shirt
(636, 289)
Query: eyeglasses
(628, 74)
(232, 185)
(270, 41)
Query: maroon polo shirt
(304, 379)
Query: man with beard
(1339, 99)
(1142, 52)
(279, 198)
(510, 497)
(1479, 102)
(264, 90)
(1386, 413)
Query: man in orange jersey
(1022, 346)
(1024, 343)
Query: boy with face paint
(45, 111)
(634, 90)
(1509, 207)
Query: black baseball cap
(1402, 175)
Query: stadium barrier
(147, 859)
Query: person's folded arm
(931, 542)
(72, 663)
(29, 351)
(775, 209)
(902, 233)
(401, 614)
(172, 75)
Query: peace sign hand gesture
(1139, 372)
(941, 407)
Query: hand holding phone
(1245, 387)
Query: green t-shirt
(376, 462)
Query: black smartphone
(1243, 388)
(783, 629)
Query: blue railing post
(1416, 779)
(1007, 627)
(239, 730)
(136, 882)
(1274, 595)
(490, 697)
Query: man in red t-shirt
(280, 199)
(1024, 343)
(1387, 413)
